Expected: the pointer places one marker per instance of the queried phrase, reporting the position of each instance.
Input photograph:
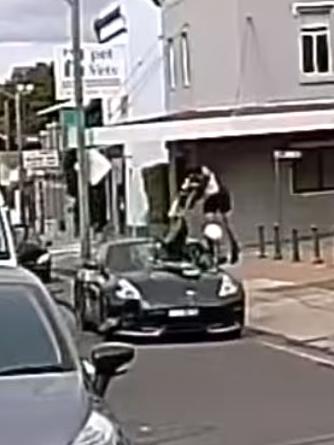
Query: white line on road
(296, 352)
(312, 440)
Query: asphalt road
(239, 393)
(230, 393)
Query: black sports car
(32, 253)
(132, 290)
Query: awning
(224, 123)
(55, 108)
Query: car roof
(17, 275)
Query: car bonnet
(39, 410)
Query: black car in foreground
(132, 291)
(48, 395)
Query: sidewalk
(294, 301)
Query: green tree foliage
(43, 95)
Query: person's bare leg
(234, 246)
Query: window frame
(171, 64)
(185, 58)
(314, 32)
(321, 188)
(313, 10)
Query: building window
(315, 50)
(185, 59)
(314, 172)
(171, 61)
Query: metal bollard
(316, 246)
(295, 246)
(262, 242)
(277, 243)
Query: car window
(26, 336)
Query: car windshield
(27, 338)
(129, 257)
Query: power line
(141, 62)
(137, 88)
(156, 61)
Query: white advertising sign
(103, 69)
(40, 160)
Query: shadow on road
(176, 339)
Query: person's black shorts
(219, 202)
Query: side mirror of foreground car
(110, 360)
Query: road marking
(312, 440)
(304, 355)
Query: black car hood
(40, 410)
(164, 288)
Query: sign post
(279, 156)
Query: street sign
(287, 154)
(34, 160)
(99, 166)
(103, 69)
(111, 23)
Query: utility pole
(83, 171)
(7, 123)
(19, 141)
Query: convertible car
(132, 290)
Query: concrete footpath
(294, 301)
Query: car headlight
(43, 258)
(98, 430)
(126, 291)
(227, 287)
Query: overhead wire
(137, 87)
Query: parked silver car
(48, 395)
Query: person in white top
(202, 184)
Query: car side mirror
(110, 360)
